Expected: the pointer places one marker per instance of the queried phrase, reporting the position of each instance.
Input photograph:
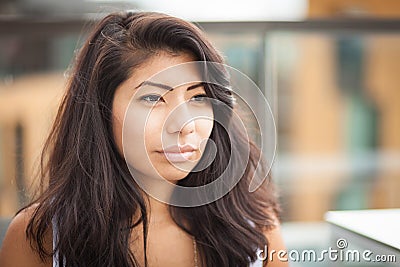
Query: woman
(95, 210)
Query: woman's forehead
(170, 72)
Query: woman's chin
(174, 176)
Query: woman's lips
(178, 157)
(177, 153)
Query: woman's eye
(200, 98)
(151, 98)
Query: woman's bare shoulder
(16, 250)
(275, 240)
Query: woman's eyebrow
(167, 87)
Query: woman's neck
(156, 193)
(158, 212)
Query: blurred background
(329, 68)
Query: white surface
(380, 225)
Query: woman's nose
(180, 120)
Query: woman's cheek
(204, 127)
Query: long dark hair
(89, 194)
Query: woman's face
(167, 123)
